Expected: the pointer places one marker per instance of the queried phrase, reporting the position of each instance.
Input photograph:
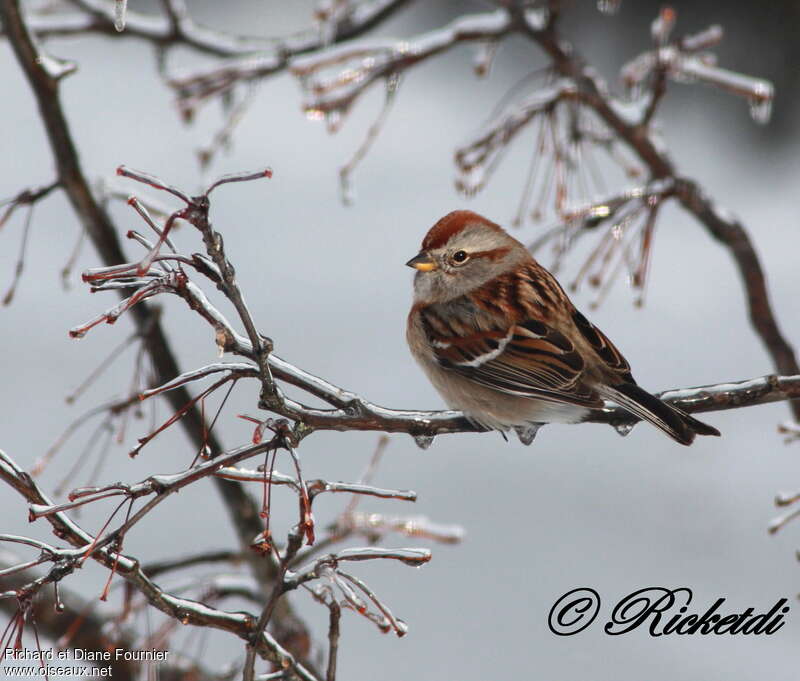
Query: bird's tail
(676, 423)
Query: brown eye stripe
(494, 255)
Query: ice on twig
(484, 56)
(779, 522)
(120, 10)
(608, 6)
(662, 26)
(624, 428)
(791, 430)
(537, 17)
(685, 61)
(703, 40)
(786, 498)
(423, 441)
(527, 434)
(54, 67)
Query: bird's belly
(508, 411)
(497, 410)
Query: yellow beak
(422, 262)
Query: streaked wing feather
(530, 359)
(604, 347)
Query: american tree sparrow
(501, 341)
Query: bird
(501, 341)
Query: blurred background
(581, 506)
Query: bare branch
(378, 60)
(184, 610)
(201, 85)
(103, 234)
(174, 28)
(725, 229)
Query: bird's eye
(460, 257)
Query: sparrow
(502, 342)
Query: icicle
(59, 604)
(484, 57)
(609, 6)
(527, 434)
(346, 190)
(537, 17)
(333, 120)
(761, 108)
(661, 28)
(120, 8)
(471, 180)
(423, 441)
(313, 114)
(624, 428)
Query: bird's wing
(527, 359)
(605, 349)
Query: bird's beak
(422, 262)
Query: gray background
(581, 507)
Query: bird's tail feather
(677, 424)
(696, 425)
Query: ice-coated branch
(27, 197)
(314, 487)
(726, 229)
(103, 233)
(173, 27)
(328, 569)
(729, 231)
(191, 89)
(157, 486)
(495, 137)
(413, 557)
(366, 62)
(184, 610)
(352, 412)
(196, 213)
(377, 524)
(719, 397)
(231, 368)
(65, 617)
(683, 61)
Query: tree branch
(184, 610)
(103, 234)
(71, 621)
(725, 229)
(352, 412)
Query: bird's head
(460, 253)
